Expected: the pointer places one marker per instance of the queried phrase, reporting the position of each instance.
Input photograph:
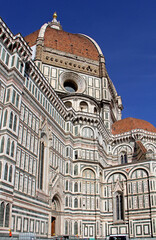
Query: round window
(70, 86)
(72, 83)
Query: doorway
(53, 221)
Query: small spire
(55, 15)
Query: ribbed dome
(76, 44)
(128, 124)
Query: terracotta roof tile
(128, 124)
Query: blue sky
(125, 31)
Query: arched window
(8, 95)
(11, 120)
(6, 172)
(10, 174)
(13, 96)
(66, 184)
(66, 202)
(66, 227)
(75, 228)
(68, 104)
(5, 118)
(95, 110)
(41, 164)
(119, 206)
(2, 145)
(7, 213)
(87, 132)
(76, 187)
(123, 157)
(15, 123)
(8, 146)
(83, 106)
(76, 169)
(1, 214)
(12, 149)
(75, 203)
(66, 167)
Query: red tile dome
(128, 124)
(76, 44)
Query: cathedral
(69, 164)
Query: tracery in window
(119, 208)
(87, 132)
(123, 157)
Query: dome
(58, 39)
(128, 124)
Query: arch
(87, 132)
(68, 104)
(88, 168)
(56, 205)
(84, 106)
(5, 118)
(115, 172)
(88, 173)
(120, 146)
(145, 170)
